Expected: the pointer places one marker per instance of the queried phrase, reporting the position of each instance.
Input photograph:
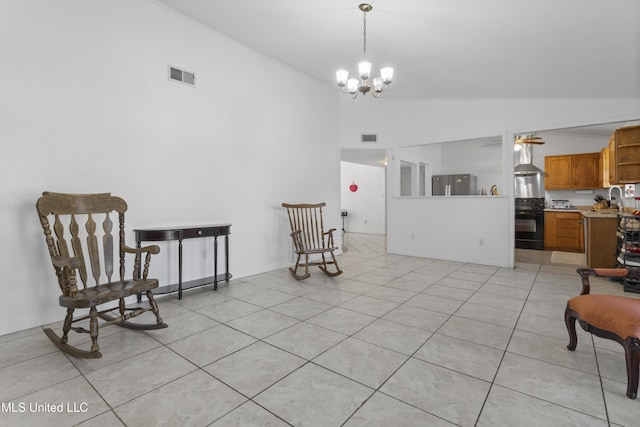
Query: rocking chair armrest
(61, 262)
(329, 235)
(153, 249)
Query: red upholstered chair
(608, 316)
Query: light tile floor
(394, 341)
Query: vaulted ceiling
(447, 48)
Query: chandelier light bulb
(378, 86)
(364, 69)
(352, 86)
(387, 75)
(342, 76)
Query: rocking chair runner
(309, 238)
(71, 258)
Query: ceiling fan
(528, 139)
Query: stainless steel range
(529, 224)
(529, 203)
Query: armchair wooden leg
(632, 358)
(570, 321)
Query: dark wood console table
(190, 232)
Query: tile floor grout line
(504, 352)
(604, 395)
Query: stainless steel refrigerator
(454, 185)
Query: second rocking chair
(310, 239)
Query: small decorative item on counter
(601, 202)
(494, 190)
(560, 204)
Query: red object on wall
(353, 187)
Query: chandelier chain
(364, 33)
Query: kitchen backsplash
(587, 199)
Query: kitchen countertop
(562, 210)
(590, 212)
(600, 213)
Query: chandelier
(363, 85)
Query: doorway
(363, 182)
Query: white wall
(451, 228)
(366, 206)
(481, 159)
(86, 106)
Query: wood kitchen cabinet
(601, 241)
(563, 231)
(604, 157)
(624, 156)
(573, 171)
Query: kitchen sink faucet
(620, 205)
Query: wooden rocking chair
(309, 238)
(71, 259)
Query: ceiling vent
(369, 138)
(178, 75)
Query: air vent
(178, 75)
(369, 138)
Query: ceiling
(447, 48)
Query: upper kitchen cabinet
(604, 157)
(624, 156)
(573, 171)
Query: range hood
(526, 167)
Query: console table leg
(180, 269)
(226, 257)
(138, 295)
(215, 263)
